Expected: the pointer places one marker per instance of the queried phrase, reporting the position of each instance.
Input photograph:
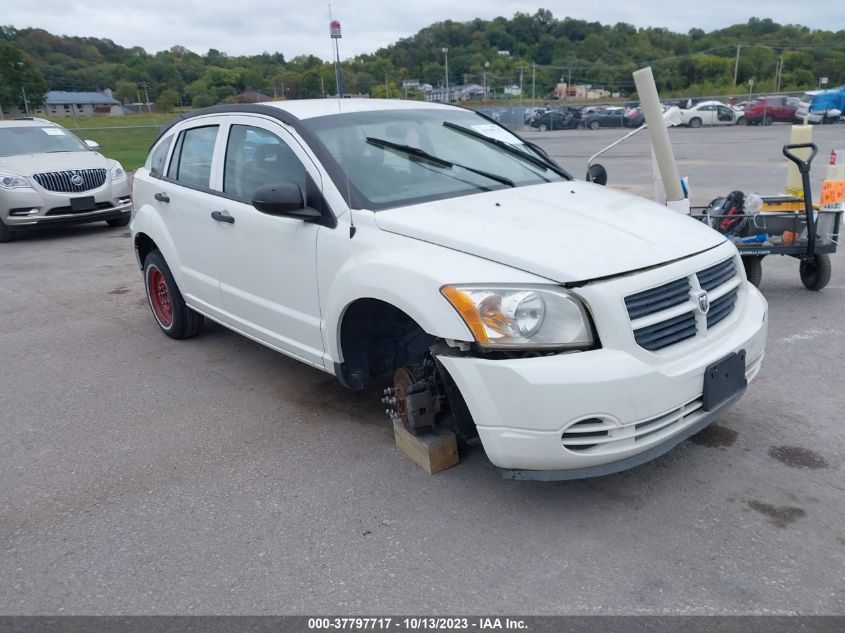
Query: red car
(767, 110)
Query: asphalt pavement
(142, 475)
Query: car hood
(28, 164)
(567, 232)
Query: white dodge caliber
(574, 330)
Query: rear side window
(191, 162)
(256, 157)
(159, 155)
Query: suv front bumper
(113, 200)
(522, 407)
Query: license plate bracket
(79, 205)
(723, 379)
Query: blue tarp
(828, 100)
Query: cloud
(301, 28)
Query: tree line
(535, 51)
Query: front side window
(393, 158)
(191, 162)
(256, 157)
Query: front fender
(406, 273)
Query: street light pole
(446, 53)
(736, 65)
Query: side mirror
(92, 145)
(597, 174)
(283, 198)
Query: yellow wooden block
(433, 450)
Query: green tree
(19, 76)
(167, 100)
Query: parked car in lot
(48, 177)
(711, 113)
(575, 330)
(822, 106)
(767, 110)
(613, 117)
(557, 119)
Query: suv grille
(63, 181)
(678, 299)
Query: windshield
(32, 139)
(399, 157)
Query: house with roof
(66, 103)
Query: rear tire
(171, 313)
(741, 121)
(767, 120)
(815, 273)
(753, 269)
(594, 125)
(119, 221)
(543, 127)
(6, 234)
(695, 123)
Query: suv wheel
(6, 234)
(119, 221)
(173, 316)
(767, 120)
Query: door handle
(162, 197)
(222, 216)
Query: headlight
(117, 172)
(502, 317)
(13, 181)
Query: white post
(665, 158)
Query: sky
(301, 28)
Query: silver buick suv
(48, 177)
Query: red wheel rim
(159, 296)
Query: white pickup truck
(575, 330)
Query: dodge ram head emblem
(76, 180)
(703, 302)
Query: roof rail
(32, 118)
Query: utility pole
(445, 52)
(533, 82)
(486, 66)
(736, 65)
(25, 102)
(779, 74)
(145, 86)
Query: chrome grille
(63, 181)
(713, 277)
(670, 313)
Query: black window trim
(328, 219)
(350, 194)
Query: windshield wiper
(539, 162)
(420, 154)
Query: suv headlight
(117, 172)
(13, 181)
(522, 317)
